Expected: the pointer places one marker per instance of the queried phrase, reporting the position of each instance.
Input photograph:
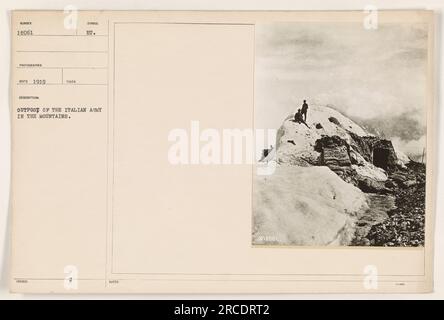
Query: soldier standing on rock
(299, 119)
(304, 110)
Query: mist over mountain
(375, 77)
(405, 130)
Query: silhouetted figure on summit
(304, 110)
(299, 119)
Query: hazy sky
(376, 77)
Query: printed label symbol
(70, 20)
(371, 19)
(71, 278)
(371, 277)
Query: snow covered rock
(304, 206)
(335, 141)
(295, 142)
(323, 171)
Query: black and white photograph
(224, 152)
(348, 104)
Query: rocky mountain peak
(333, 140)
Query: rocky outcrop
(335, 141)
(367, 162)
(370, 185)
(295, 142)
(335, 154)
(405, 223)
(375, 150)
(347, 159)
